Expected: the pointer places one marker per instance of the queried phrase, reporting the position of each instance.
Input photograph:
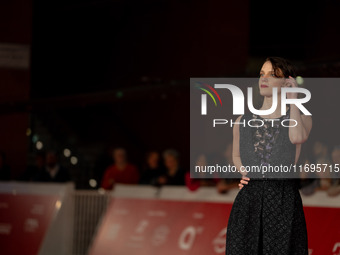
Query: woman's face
(268, 80)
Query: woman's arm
(299, 134)
(236, 154)
(236, 147)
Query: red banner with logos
(150, 226)
(24, 220)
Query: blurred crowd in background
(164, 168)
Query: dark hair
(287, 68)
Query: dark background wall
(15, 28)
(106, 73)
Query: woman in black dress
(267, 216)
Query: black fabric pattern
(265, 137)
(267, 216)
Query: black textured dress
(267, 216)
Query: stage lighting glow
(119, 94)
(28, 131)
(67, 153)
(35, 138)
(74, 160)
(299, 80)
(39, 145)
(101, 191)
(93, 183)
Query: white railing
(89, 207)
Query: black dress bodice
(268, 144)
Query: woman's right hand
(243, 181)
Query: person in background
(228, 180)
(33, 171)
(5, 171)
(53, 171)
(152, 170)
(334, 190)
(200, 178)
(103, 161)
(322, 156)
(309, 182)
(121, 171)
(174, 174)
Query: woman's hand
(244, 180)
(291, 83)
